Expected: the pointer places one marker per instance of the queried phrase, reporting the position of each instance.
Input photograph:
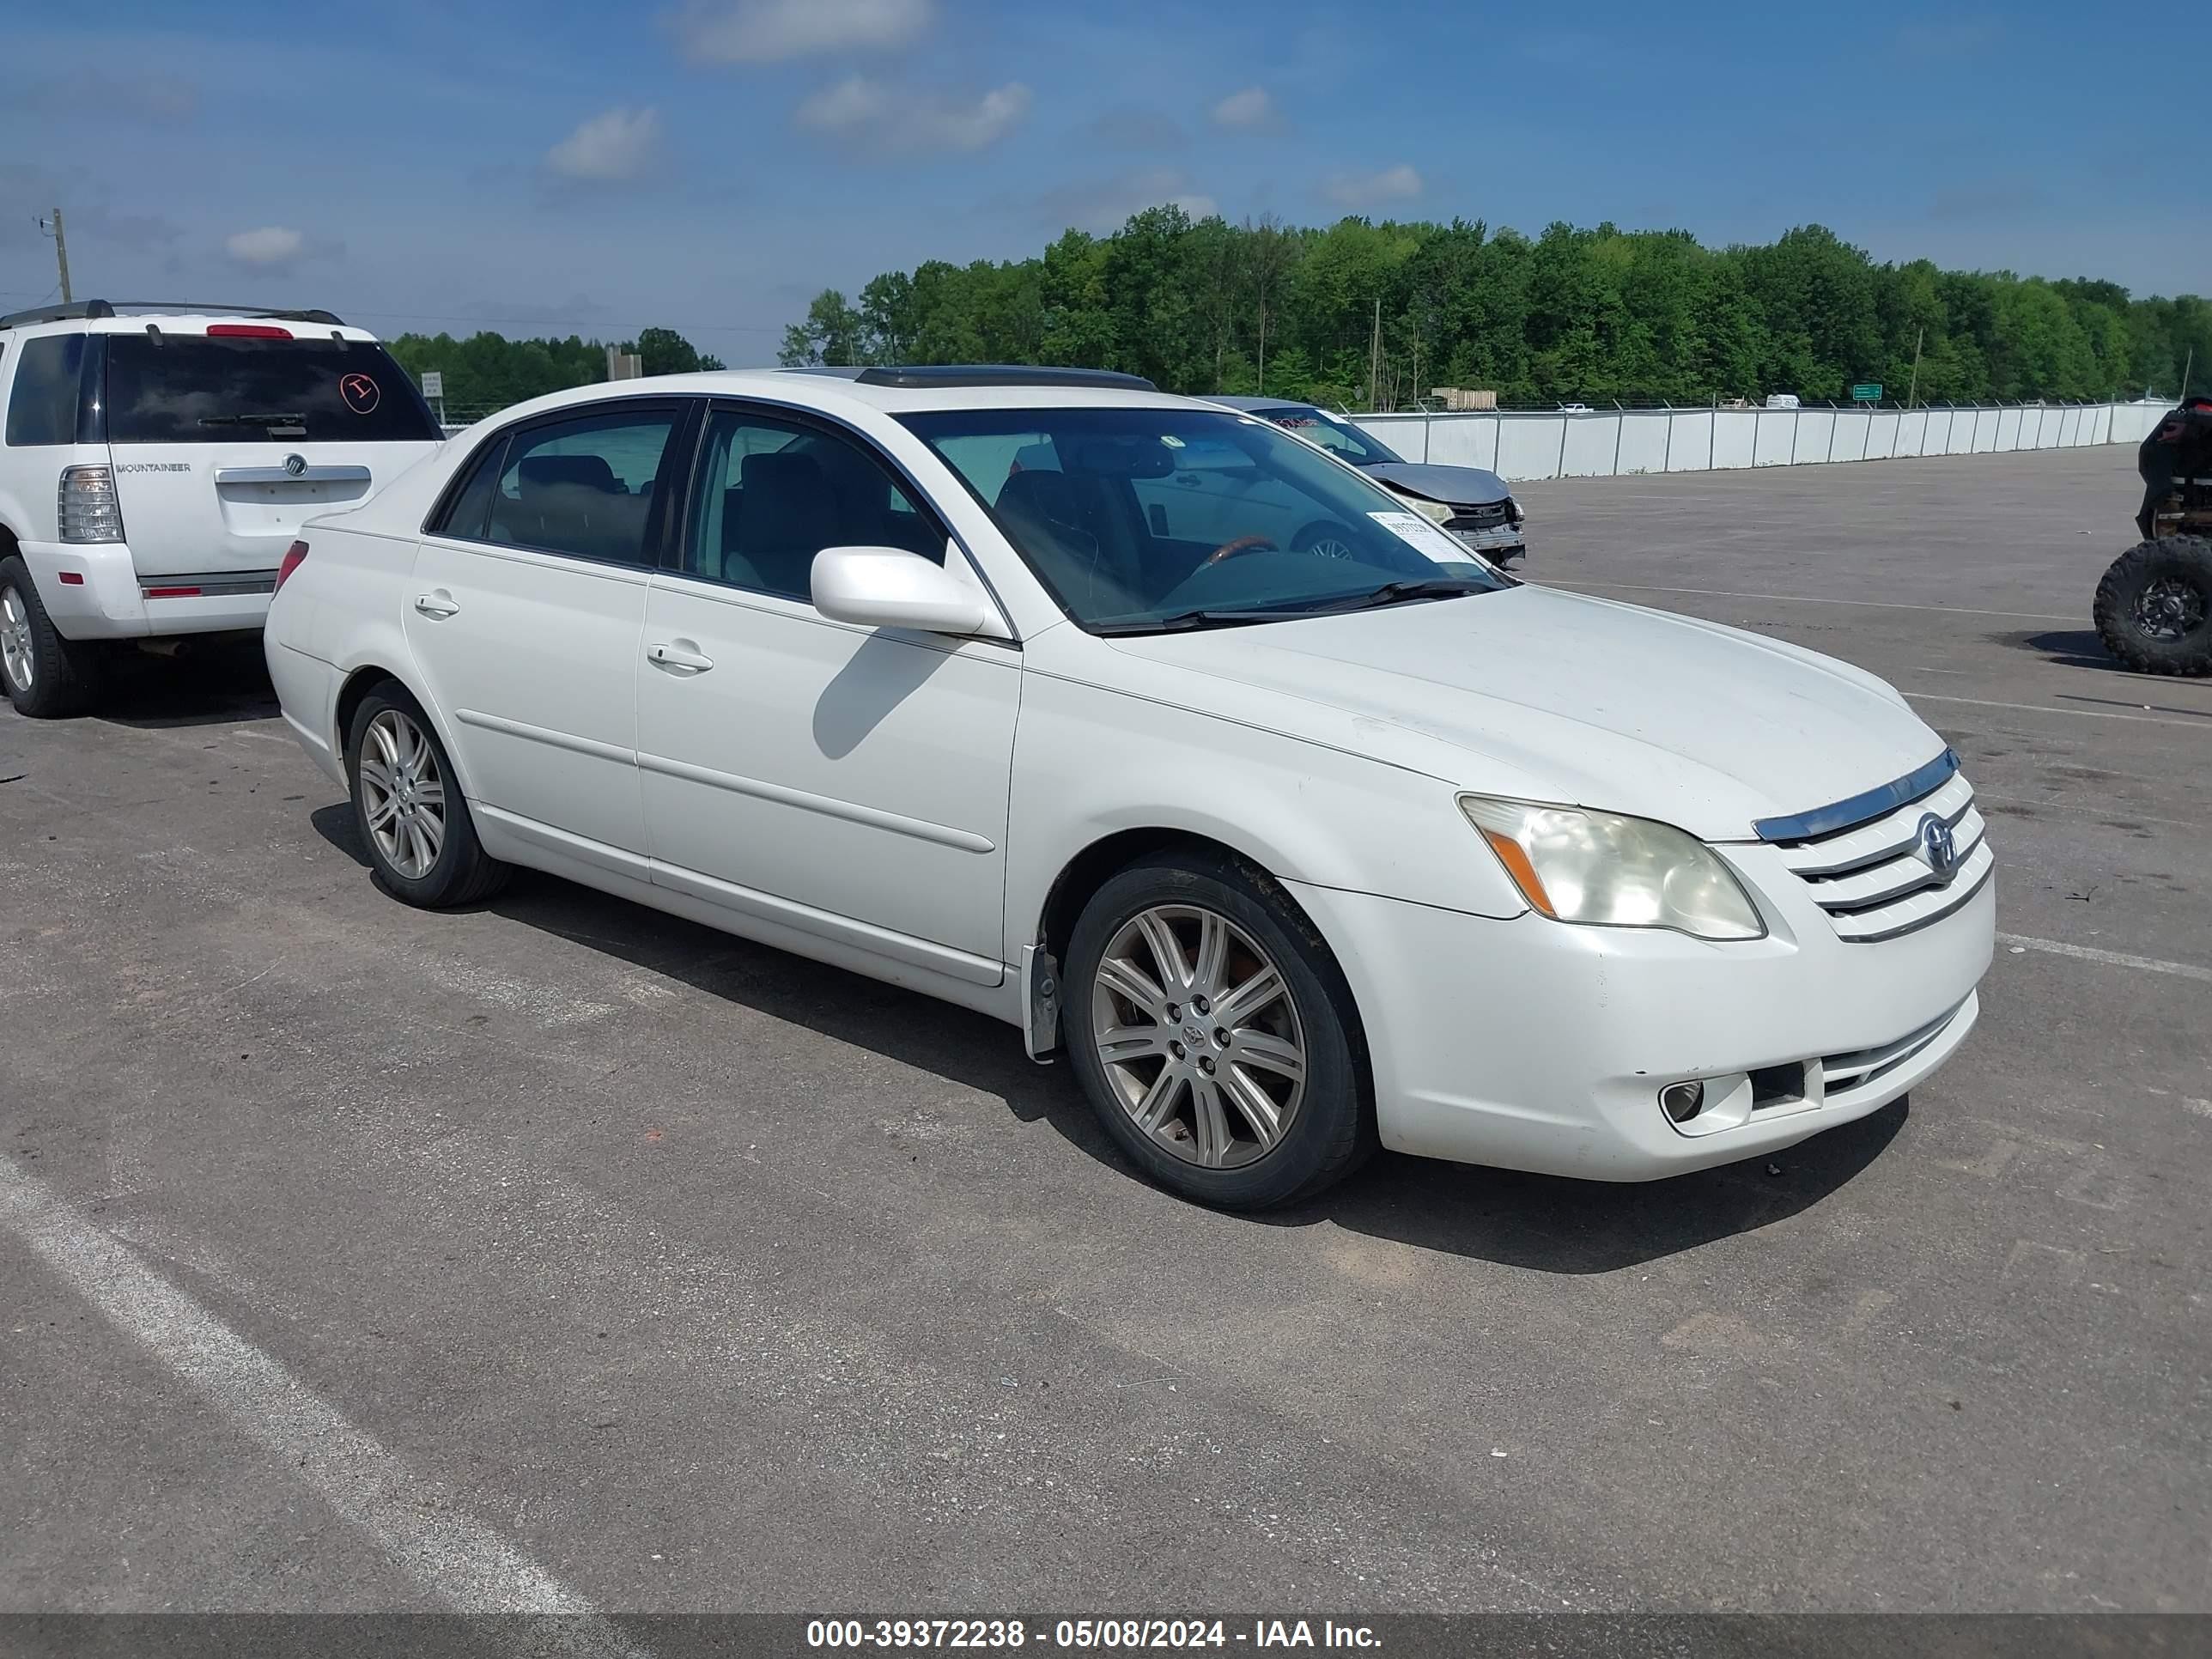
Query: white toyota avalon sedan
(1157, 734)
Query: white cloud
(1106, 204)
(608, 149)
(1245, 111)
(1356, 191)
(770, 31)
(869, 115)
(271, 245)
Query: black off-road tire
(65, 674)
(463, 872)
(1332, 1132)
(2186, 560)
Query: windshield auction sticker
(1419, 533)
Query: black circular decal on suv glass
(359, 392)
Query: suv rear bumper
(93, 591)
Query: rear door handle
(438, 605)
(681, 658)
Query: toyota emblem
(1939, 848)
(295, 464)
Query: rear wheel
(2154, 606)
(46, 676)
(408, 807)
(1215, 1036)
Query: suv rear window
(191, 389)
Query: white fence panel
(1590, 442)
(1465, 443)
(1690, 448)
(1881, 435)
(1736, 436)
(1812, 435)
(1772, 432)
(1528, 446)
(1646, 443)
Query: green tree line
(487, 371)
(1586, 315)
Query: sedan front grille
(1489, 515)
(1876, 877)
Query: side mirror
(891, 587)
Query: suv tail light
(293, 557)
(86, 507)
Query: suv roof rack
(923, 377)
(90, 310)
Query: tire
(2154, 607)
(1323, 1110)
(47, 676)
(1326, 534)
(408, 808)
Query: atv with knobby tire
(2154, 607)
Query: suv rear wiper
(253, 420)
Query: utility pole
(2185, 367)
(53, 226)
(1375, 360)
(1915, 392)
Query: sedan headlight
(1612, 872)
(1434, 512)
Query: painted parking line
(2045, 708)
(2110, 958)
(412, 1520)
(1799, 598)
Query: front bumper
(1503, 543)
(1531, 1044)
(93, 591)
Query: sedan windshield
(1141, 520)
(1331, 433)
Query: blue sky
(535, 165)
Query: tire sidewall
(457, 853)
(2187, 558)
(1335, 1115)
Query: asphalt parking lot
(354, 1257)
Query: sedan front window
(1144, 519)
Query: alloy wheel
(15, 640)
(402, 794)
(1198, 1036)
(2170, 607)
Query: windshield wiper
(1181, 620)
(1423, 587)
(253, 420)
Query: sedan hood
(1459, 485)
(1540, 695)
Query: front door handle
(438, 606)
(679, 658)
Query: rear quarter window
(42, 405)
(193, 389)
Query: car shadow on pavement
(1539, 1222)
(1550, 1224)
(212, 685)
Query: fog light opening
(1682, 1101)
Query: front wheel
(2154, 607)
(408, 807)
(1215, 1036)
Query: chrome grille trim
(1856, 809)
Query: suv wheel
(1215, 1036)
(408, 806)
(46, 675)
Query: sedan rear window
(194, 389)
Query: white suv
(1296, 825)
(156, 461)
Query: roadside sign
(1869, 393)
(434, 383)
